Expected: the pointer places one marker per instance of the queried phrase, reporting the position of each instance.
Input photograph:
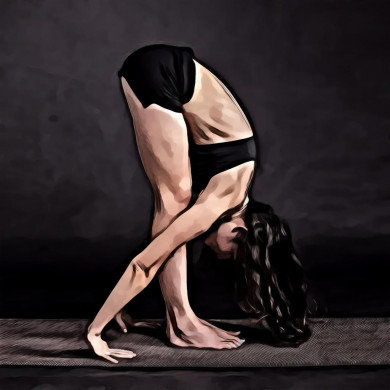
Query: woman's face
(222, 241)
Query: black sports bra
(208, 160)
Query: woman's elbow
(140, 275)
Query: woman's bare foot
(188, 332)
(198, 333)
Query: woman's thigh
(162, 142)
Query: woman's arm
(218, 197)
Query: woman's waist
(228, 150)
(208, 160)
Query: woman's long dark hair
(270, 283)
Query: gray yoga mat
(54, 342)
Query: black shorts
(161, 74)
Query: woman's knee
(167, 207)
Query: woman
(199, 153)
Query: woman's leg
(163, 146)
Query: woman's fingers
(148, 324)
(126, 317)
(101, 348)
(109, 358)
(122, 318)
(118, 353)
(120, 322)
(122, 353)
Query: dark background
(76, 204)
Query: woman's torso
(213, 114)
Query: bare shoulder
(230, 186)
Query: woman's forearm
(133, 281)
(136, 277)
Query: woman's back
(213, 114)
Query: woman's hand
(101, 349)
(122, 318)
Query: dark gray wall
(313, 76)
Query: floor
(50, 354)
(61, 342)
(320, 378)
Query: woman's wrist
(93, 331)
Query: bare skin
(213, 114)
(162, 143)
(220, 195)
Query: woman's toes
(236, 343)
(226, 345)
(232, 333)
(231, 339)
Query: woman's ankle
(179, 318)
